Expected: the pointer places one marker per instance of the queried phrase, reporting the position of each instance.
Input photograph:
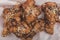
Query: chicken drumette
(32, 10)
(50, 10)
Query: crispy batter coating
(38, 25)
(22, 29)
(22, 20)
(26, 31)
(51, 16)
(32, 11)
(11, 18)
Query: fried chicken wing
(11, 18)
(50, 15)
(32, 11)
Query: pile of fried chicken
(22, 20)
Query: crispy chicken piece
(51, 16)
(26, 31)
(32, 11)
(22, 20)
(23, 29)
(11, 18)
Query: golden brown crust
(22, 20)
(50, 12)
(32, 11)
(11, 17)
(38, 25)
(18, 19)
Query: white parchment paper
(39, 36)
